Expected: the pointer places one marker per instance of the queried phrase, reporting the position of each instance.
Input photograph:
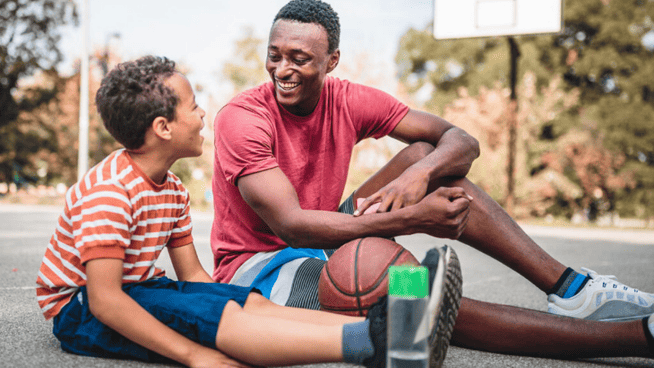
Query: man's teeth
(287, 85)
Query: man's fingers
(453, 193)
(364, 204)
(460, 204)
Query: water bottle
(408, 323)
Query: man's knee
(257, 302)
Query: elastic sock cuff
(648, 334)
(559, 283)
(357, 344)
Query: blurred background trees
(586, 138)
(585, 105)
(29, 36)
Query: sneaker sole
(449, 300)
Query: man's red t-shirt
(253, 133)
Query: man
(282, 154)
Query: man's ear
(161, 128)
(333, 60)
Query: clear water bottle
(408, 325)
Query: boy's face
(188, 118)
(298, 61)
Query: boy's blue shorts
(192, 309)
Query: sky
(201, 33)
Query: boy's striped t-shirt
(115, 211)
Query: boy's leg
(258, 305)
(270, 341)
(193, 310)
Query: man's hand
(445, 212)
(406, 190)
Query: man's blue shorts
(192, 309)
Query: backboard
(485, 18)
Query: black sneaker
(377, 315)
(444, 299)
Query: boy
(98, 278)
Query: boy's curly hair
(132, 95)
(314, 11)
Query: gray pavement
(26, 339)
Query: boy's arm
(113, 307)
(187, 265)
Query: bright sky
(201, 33)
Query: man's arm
(453, 154)
(113, 307)
(272, 196)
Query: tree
(29, 36)
(604, 54)
(246, 69)
(608, 57)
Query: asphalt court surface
(26, 339)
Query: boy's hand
(205, 357)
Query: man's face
(298, 61)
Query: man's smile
(287, 86)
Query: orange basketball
(356, 275)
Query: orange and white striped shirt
(115, 211)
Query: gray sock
(357, 345)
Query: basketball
(356, 275)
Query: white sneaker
(603, 298)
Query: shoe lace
(608, 281)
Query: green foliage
(247, 67)
(601, 53)
(28, 43)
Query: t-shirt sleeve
(374, 113)
(243, 142)
(102, 225)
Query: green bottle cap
(408, 281)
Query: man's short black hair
(314, 11)
(132, 95)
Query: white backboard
(485, 18)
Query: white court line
(19, 288)
(24, 234)
(641, 237)
(483, 281)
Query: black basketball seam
(356, 276)
(357, 294)
(329, 275)
(380, 279)
(351, 309)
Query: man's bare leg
(490, 229)
(506, 329)
(511, 330)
